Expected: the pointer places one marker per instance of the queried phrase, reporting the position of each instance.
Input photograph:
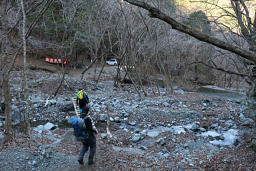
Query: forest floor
(163, 131)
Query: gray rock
(39, 129)
(49, 126)
(103, 117)
(165, 104)
(66, 106)
(122, 126)
(103, 135)
(34, 163)
(153, 134)
(202, 129)
(117, 119)
(136, 138)
(35, 99)
(161, 141)
(124, 114)
(162, 155)
(214, 126)
(135, 151)
(247, 122)
(229, 123)
(1, 124)
(111, 119)
(143, 148)
(195, 127)
(176, 130)
(132, 123)
(53, 102)
(68, 119)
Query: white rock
(178, 130)
(103, 135)
(152, 134)
(39, 128)
(49, 126)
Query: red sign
(56, 61)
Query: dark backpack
(79, 129)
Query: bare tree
(25, 68)
(155, 13)
(248, 31)
(4, 68)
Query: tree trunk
(27, 121)
(4, 67)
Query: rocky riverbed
(163, 131)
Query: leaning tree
(248, 32)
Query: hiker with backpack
(82, 98)
(85, 131)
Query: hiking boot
(90, 162)
(80, 161)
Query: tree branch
(156, 13)
(219, 69)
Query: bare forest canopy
(156, 13)
(95, 31)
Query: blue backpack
(79, 129)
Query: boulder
(153, 134)
(176, 130)
(195, 127)
(136, 138)
(117, 119)
(247, 122)
(39, 129)
(103, 117)
(49, 126)
(103, 135)
(229, 123)
(132, 123)
(111, 119)
(161, 141)
(166, 104)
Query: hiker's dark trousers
(91, 142)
